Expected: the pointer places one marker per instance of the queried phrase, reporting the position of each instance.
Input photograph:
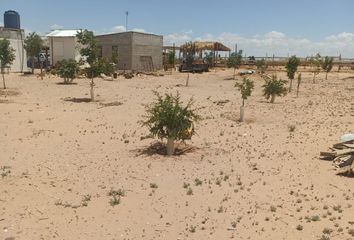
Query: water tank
(12, 20)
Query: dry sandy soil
(255, 180)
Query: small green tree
(89, 52)
(245, 88)
(33, 46)
(316, 64)
(235, 61)
(7, 56)
(168, 118)
(261, 65)
(291, 68)
(67, 69)
(298, 84)
(327, 65)
(209, 57)
(274, 87)
(171, 57)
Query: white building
(63, 45)
(16, 38)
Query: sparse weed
(327, 231)
(5, 171)
(291, 128)
(198, 182)
(153, 185)
(299, 227)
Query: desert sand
(251, 180)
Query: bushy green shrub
(291, 68)
(274, 87)
(167, 118)
(67, 69)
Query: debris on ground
(342, 155)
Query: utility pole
(126, 21)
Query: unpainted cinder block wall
(123, 41)
(147, 52)
(136, 51)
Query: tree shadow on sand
(8, 92)
(347, 174)
(62, 83)
(78, 100)
(159, 148)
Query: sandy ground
(255, 180)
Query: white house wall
(20, 62)
(64, 48)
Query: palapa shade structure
(205, 46)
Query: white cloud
(56, 27)
(177, 38)
(118, 29)
(274, 42)
(139, 30)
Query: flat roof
(144, 33)
(62, 33)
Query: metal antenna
(126, 21)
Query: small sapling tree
(89, 52)
(235, 61)
(7, 56)
(33, 46)
(327, 65)
(291, 68)
(171, 57)
(316, 63)
(298, 84)
(168, 119)
(209, 57)
(261, 65)
(67, 69)
(274, 87)
(245, 88)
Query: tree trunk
(314, 77)
(187, 81)
(41, 71)
(297, 90)
(326, 75)
(273, 98)
(32, 65)
(3, 79)
(92, 84)
(291, 85)
(170, 147)
(234, 73)
(242, 113)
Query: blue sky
(268, 24)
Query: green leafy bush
(327, 65)
(274, 87)
(291, 68)
(245, 88)
(261, 65)
(168, 118)
(7, 56)
(67, 69)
